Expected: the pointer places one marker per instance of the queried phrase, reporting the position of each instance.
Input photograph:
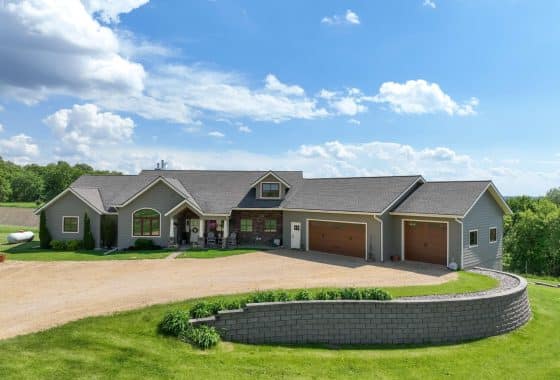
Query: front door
(295, 235)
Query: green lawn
(213, 253)
(127, 346)
(32, 205)
(32, 252)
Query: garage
(425, 241)
(341, 238)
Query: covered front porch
(190, 228)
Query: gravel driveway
(38, 295)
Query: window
(246, 225)
(146, 222)
(270, 190)
(473, 238)
(270, 225)
(493, 234)
(70, 224)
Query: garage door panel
(426, 242)
(340, 238)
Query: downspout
(462, 237)
(381, 223)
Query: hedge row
(176, 323)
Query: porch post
(201, 231)
(171, 229)
(226, 232)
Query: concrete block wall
(376, 322)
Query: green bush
(283, 296)
(144, 243)
(44, 234)
(375, 294)
(174, 323)
(202, 310)
(59, 245)
(73, 245)
(350, 294)
(202, 336)
(303, 295)
(89, 241)
(258, 297)
(233, 305)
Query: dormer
(270, 186)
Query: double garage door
(426, 242)
(348, 239)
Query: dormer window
(270, 190)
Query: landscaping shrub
(174, 323)
(283, 296)
(350, 294)
(73, 245)
(59, 245)
(375, 294)
(203, 336)
(109, 231)
(303, 295)
(144, 243)
(44, 234)
(89, 241)
(202, 310)
(258, 297)
(233, 305)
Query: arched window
(146, 222)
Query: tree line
(39, 183)
(532, 234)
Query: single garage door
(348, 239)
(425, 241)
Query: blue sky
(447, 89)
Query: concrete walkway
(39, 295)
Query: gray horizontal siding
(485, 214)
(161, 198)
(70, 205)
(373, 228)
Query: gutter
(380, 222)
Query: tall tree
(554, 195)
(26, 186)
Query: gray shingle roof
(443, 198)
(218, 191)
(362, 194)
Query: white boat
(20, 237)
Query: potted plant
(2, 257)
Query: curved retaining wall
(443, 320)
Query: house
(374, 218)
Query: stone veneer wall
(402, 321)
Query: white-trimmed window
(492, 235)
(70, 224)
(270, 225)
(146, 222)
(270, 190)
(473, 238)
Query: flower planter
(2, 257)
(395, 258)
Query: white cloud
(216, 134)
(1, 128)
(108, 11)
(273, 84)
(19, 148)
(244, 129)
(349, 18)
(354, 121)
(56, 47)
(84, 128)
(420, 97)
(348, 106)
(326, 94)
(429, 3)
